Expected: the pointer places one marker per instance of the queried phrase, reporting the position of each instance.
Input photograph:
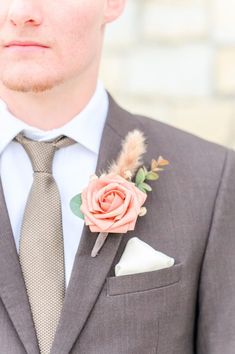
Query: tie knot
(41, 153)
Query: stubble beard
(30, 86)
(37, 82)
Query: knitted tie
(41, 251)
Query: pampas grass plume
(130, 157)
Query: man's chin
(28, 86)
(20, 83)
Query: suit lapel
(12, 287)
(88, 274)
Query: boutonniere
(112, 202)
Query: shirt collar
(85, 128)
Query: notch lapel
(12, 287)
(88, 274)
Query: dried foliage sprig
(143, 174)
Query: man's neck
(50, 109)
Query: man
(49, 60)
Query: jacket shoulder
(188, 153)
(200, 158)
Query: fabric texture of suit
(186, 309)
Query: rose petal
(112, 200)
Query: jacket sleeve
(215, 324)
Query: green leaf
(152, 176)
(145, 186)
(140, 176)
(75, 204)
(141, 188)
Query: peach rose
(111, 204)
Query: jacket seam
(214, 207)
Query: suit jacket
(188, 308)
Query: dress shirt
(72, 166)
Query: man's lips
(24, 47)
(25, 44)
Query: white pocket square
(139, 257)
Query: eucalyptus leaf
(141, 188)
(162, 162)
(152, 176)
(146, 186)
(154, 165)
(140, 176)
(75, 204)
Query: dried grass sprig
(130, 157)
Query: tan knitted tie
(41, 251)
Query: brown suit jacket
(188, 308)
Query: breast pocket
(135, 283)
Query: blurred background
(174, 60)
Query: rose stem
(99, 243)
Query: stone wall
(174, 60)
